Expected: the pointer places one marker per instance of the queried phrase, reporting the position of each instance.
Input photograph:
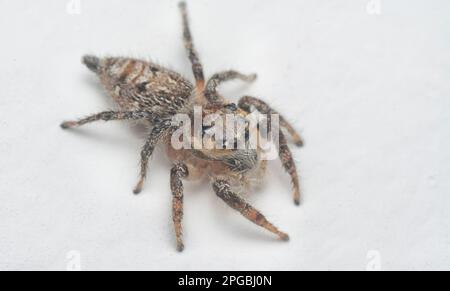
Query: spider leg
(247, 102)
(189, 44)
(107, 116)
(159, 131)
(289, 165)
(218, 78)
(222, 189)
(178, 172)
(284, 152)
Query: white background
(368, 89)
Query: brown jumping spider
(146, 92)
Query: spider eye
(206, 127)
(231, 106)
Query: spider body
(149, 93)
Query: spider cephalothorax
(149, 93)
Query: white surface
(370, 94)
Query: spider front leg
(107, 116)
(213, 82)
(247, 102)
(289, 165)
(284, 152)
(222, 189)
(197, 68)
(178, 172)
(159, 131)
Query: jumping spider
(149, 93)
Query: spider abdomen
(140, 85)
